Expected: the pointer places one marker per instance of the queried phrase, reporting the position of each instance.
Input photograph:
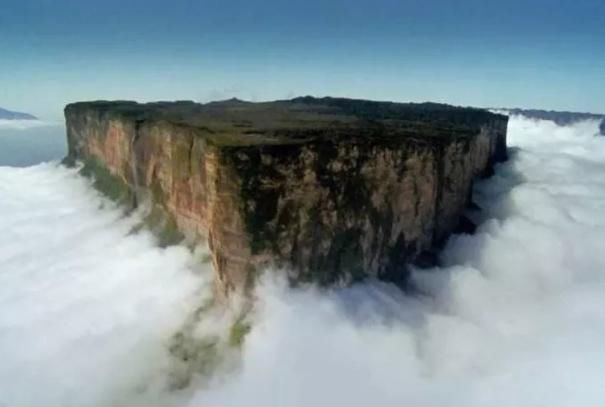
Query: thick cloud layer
(515, 316)
(87, 309)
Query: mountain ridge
(560, 117)
(6, 114)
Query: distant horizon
(54, 119)
(539, 54)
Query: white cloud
(87, 310)
(24, 124)
(516, 317)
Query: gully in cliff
(331, 190)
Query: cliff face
(331, 190)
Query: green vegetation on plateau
(111, 185)
(235, 123)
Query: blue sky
(532, 53)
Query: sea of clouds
(514, 317)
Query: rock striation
(329, 190)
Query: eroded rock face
(331, 190)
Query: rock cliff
(331, 190)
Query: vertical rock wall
(330, 210)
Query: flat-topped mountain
(328, 190)
(10, 115)
(561, 118)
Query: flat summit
(301, 119)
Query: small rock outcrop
(330, 190)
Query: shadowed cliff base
(333, 190)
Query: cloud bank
(516, 316)
(87, 307)
(23, 124)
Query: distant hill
(561, 118)
(9, 115)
